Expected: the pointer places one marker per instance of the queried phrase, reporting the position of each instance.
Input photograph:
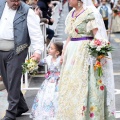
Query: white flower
(31, 65)
(103, 44)
(98, 48)
(105, 40)
(92, 45)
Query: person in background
(34, 6)
(111, 3)
(116, 18)
(69, 7)
(18, 28)
(46, 12)
(96, 3)
(106, 12)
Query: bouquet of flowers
(99, 49)
(30, 66)
(115, 10)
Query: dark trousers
(106, 24)
(11, 71)
(50, 33)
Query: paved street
(115, 40)
(35, 82)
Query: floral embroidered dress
(116, 20)
(45, 103)
(82, 95)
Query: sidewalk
(3, 102)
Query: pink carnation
(91, 115)
(76, 30)
(101, 87)
(97, 42)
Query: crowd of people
(110, 11)
(72, 89)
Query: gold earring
(79, 4)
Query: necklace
(76, 13)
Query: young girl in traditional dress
(45, 103)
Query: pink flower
(47, 74)
(119, 14)
(108, 43)
(113, 113)
(97, 42)
(91, 115)
(52, 81)
(101, 87)
(84, 108)
(76, 30)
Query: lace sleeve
(91, 25)
(91, 22)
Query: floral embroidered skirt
(45, 103)
(82, 96)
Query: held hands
(61, 59)
(36, 57)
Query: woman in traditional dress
(116, 18)
(82, 94)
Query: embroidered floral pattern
(21, 48)
(82, 95)
(45, 103)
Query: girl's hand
(61, 59)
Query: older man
(18, 28)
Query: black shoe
(21, 111)
(7, 118)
